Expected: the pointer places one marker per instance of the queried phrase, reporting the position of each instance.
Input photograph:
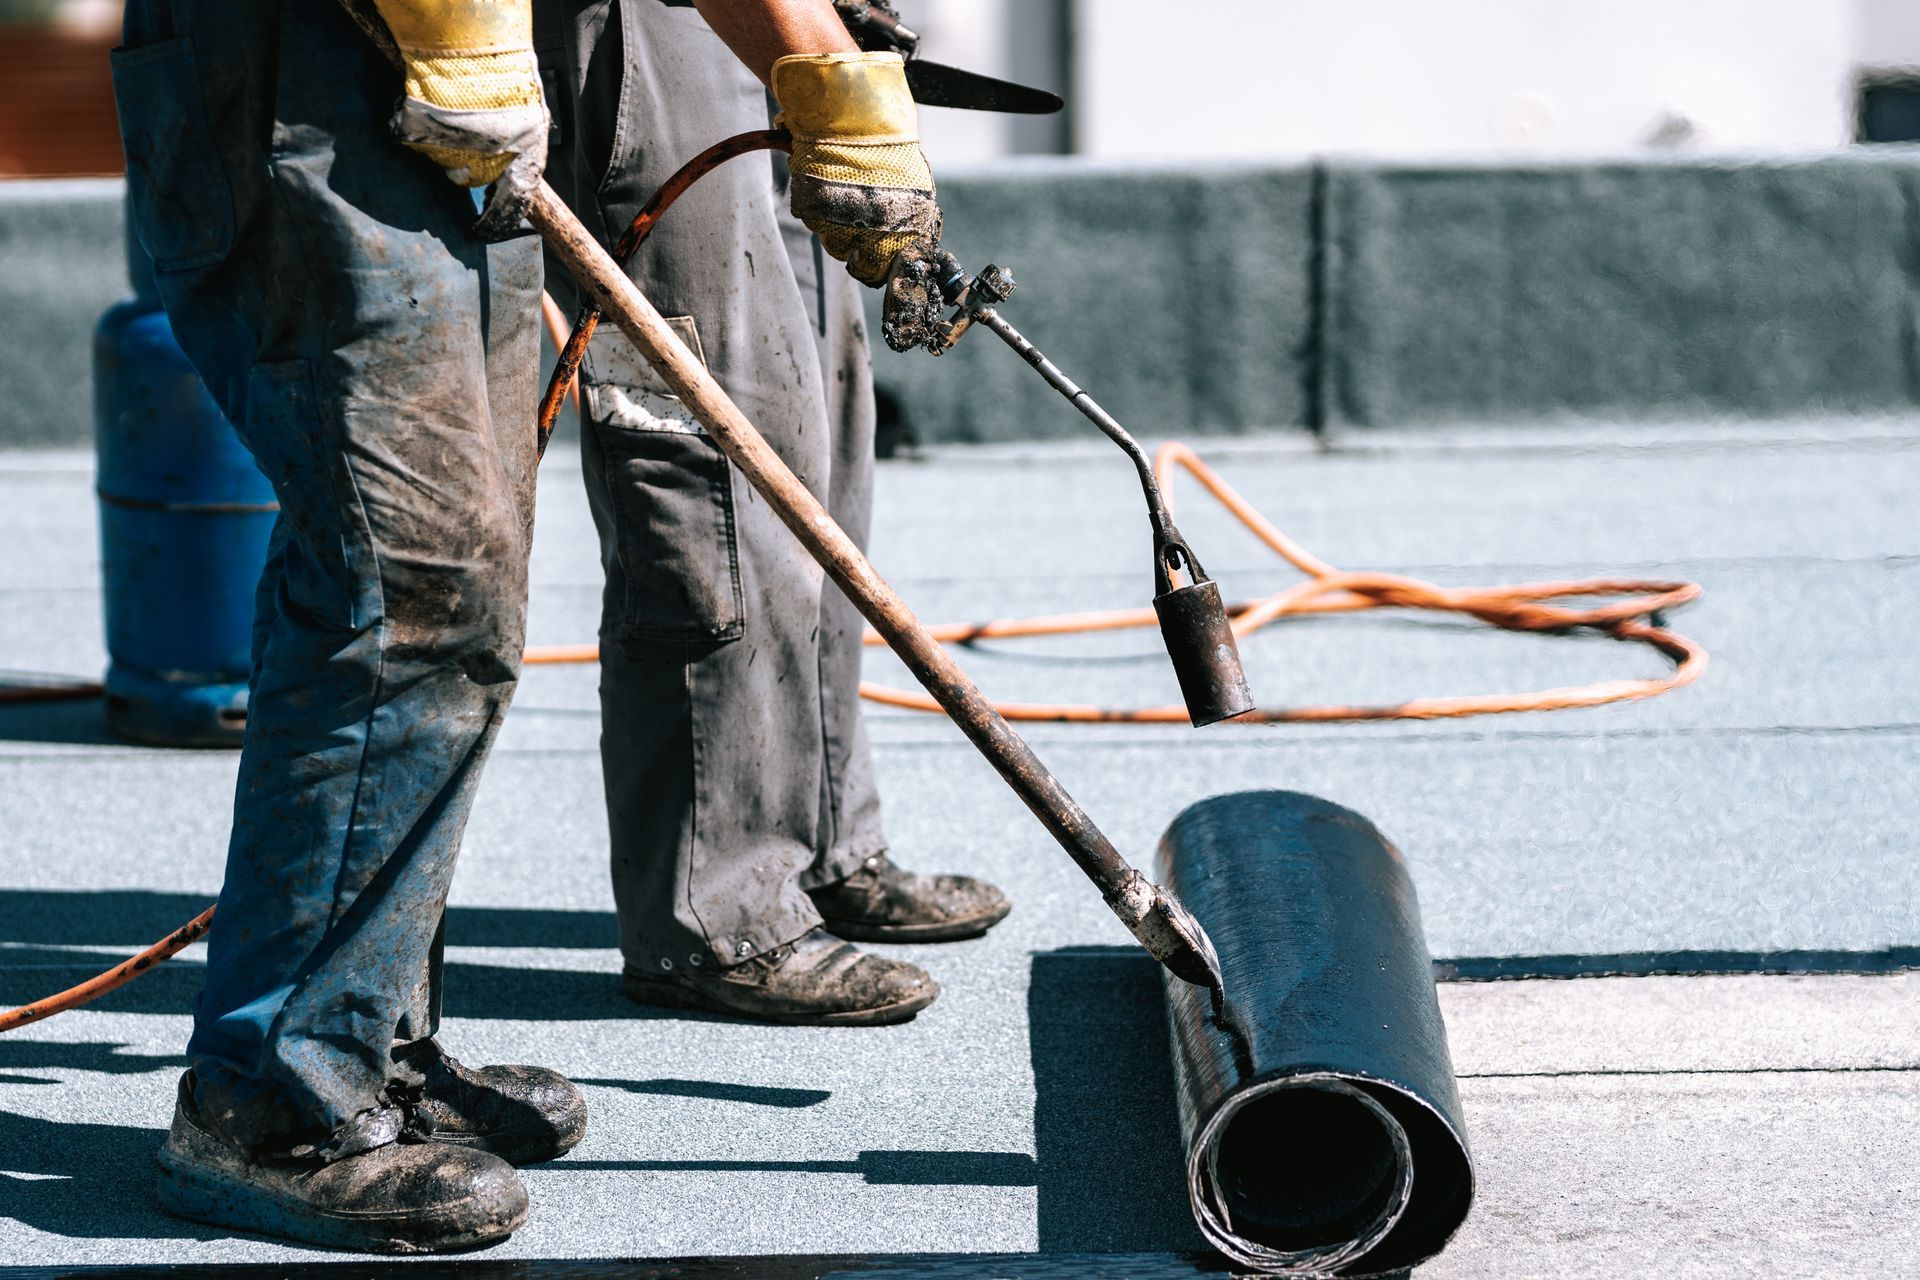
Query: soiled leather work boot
(816, 980)
(522, 1114)
(366, 1189)
(884, 903)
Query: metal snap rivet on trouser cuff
(1323, 1130)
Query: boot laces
(409, 1099)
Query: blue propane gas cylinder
(184, 522)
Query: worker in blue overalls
(369, 330)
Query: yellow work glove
(859, 180)
(473, 103)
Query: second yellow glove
(473, 103)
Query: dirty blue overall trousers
(735, 757)
(381, 364)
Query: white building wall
(971, 34)
(1249, 78)
(1889, 33)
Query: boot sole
(945, 931)
(667, 996)
(193, 1191)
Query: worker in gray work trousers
(746, 831)
(369, 329)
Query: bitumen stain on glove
(473, 101)
(859, 181)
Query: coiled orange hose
(1521, 607)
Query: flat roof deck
(1679, 1126)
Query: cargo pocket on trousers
(671, 493)
(178, 187)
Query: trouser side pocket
(674, 563)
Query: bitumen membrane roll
(1325, 1137)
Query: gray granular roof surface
(1678, 1126)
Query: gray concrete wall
(1233, 299)
(1174, 294)
(1399, 295)
(1677, 290)
(61, 264)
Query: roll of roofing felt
(1324, 1138)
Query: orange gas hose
(63, 691)
(118, 976)
(1521, 607)
(557, 331)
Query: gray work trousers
(736, 762)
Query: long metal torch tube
(1154, 917)
(1059, 381)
